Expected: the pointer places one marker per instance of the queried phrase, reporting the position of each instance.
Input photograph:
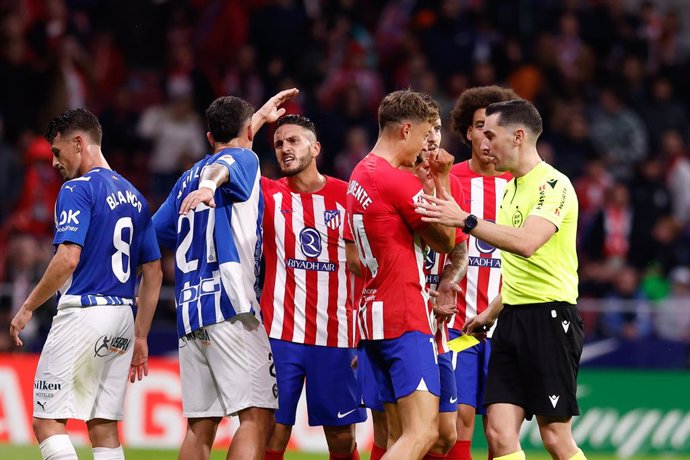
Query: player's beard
(298, 165)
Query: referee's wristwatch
(470, 223)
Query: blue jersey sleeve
(165, 222)
(243, 166)
(73, 213)
(149, 250)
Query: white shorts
(83, 369)
(227, 367)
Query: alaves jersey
(217, 250)
(105, 215)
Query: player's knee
(556, 443)
(447, 435)
(340, 439)
(43, 428)
(429, 436)
(497, 438)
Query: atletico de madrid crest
(331, 218)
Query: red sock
(377, 452)
(460, 451)
(273, 455)
(353, 456)
(432, 456)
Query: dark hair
(405, 105)
(518, 112)
(433, 104)
(226, 116)
(299, 120)
(474, 99)
(75, 120)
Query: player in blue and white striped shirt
(212, 221)
(103, 233)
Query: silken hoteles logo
(107, 344)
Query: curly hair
(473, 99)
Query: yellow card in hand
(462, 343)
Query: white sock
(58, 447)
(105, 453)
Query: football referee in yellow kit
(537, 343)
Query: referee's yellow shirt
(550, 274)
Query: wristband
(206, 183)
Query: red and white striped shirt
(381, 208)
(306, 296)
(433, 268)
(483, 195)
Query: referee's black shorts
(535, 358)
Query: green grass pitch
(11, 452)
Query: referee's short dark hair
(517, 112)
(299, 120)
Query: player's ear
(519, 136)
(316, 148)
(468, 134)
(211, 141)
(405, 129)
(250, 133)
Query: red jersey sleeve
(402, 191)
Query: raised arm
(271, 110)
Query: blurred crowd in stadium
(609, 77)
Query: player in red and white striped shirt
(306, 300)
(443, 272)
(393, 311)
(483, 187)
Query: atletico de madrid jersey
(483, 195)
(381, 205)
(307, 295)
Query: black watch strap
(470, 223)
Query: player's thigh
(507, 370)
(109, 402)
(289, 361)
(448, 402)
(201, 397)
(242, 364)
(332, 397)
(418, 411)
(411, 362)
(555, 356)
(366, 382)
(69, 376)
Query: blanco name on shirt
(116, 199)
(359, 193)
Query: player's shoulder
(231, 155)
(555, 179)
(461, 169)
